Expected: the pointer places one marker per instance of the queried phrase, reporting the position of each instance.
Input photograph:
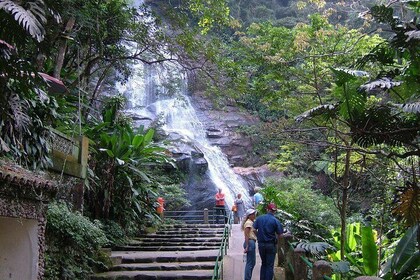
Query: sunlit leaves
(210, 13)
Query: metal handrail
(222, 249)
(197, 216)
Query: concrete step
(145, 243)
(186, 233)
(193, 226)
(165, 247)
(177, 239)
(175, 252)
(168, 256)
(155, 275)
(164, 266)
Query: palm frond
(383, 14)
(31, 19)
(413, 34)
(380, 125)
(343, 75)
(327, 109)
(409, 107)
(19, 110)
(316, 249)
(408, 204)
(382, 83)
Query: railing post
(286, 254)
(320, 269)
(282, 248)
(299, 266)
(206, 216)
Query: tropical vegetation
(335, 85)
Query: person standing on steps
(220, 206)
(269, 230)
(249, 243)
(160, 207)
(258, 198)
(240, 208)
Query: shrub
(73, 244)
(307, 206)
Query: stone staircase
(174, 252)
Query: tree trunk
(62, 48)
(344, 202)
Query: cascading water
(149, 99)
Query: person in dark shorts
(268, 229)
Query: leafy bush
(73, 244)
(310, 209)
(115, 233)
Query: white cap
(250, 212)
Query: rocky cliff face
(222, 129)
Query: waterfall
(149, 98)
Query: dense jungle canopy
(335, 84)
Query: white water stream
(149, 99)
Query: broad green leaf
(405, 248)
(149, 136)
(140, 173)
(369, 251)
(137, 140)
(353, 230)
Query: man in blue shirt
(268, 230)
(258, 198)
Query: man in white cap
(268, 229)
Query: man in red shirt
(160, 207)
(220, 206)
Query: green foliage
(361, 249)
(406, 258)
(306, 206)
(26, 111)
(123, 182)
(25, 108)
(114, 233)
(73, 244)
(210, 13)
(175, 196)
